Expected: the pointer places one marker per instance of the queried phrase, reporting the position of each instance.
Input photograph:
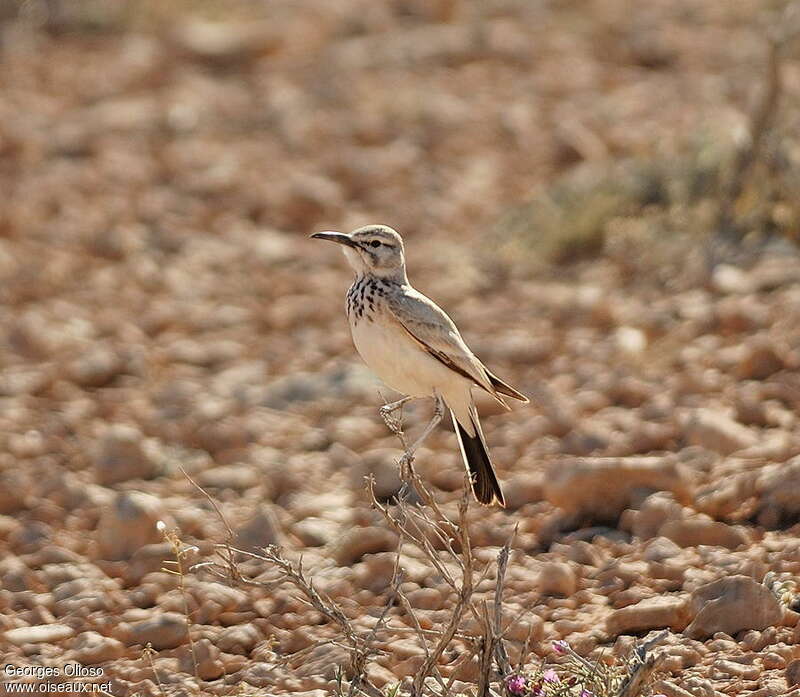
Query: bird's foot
(406, 464)
(394, 424)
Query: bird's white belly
(398, 360)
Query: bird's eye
(375, 243)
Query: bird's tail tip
(484, 482)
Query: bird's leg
(386, 411)
(438, 413)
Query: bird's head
(373, 249)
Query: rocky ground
(163, 310)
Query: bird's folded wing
(436, 334)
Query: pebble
(97, 368)
(714, 430)
(381, 465)
(261, 530)
(121, 455)
(129, 524)
(793, 673)
(737, 670)
(239, 639)
(163, 631)
(732, 604)
(696, 531)
(91, 648)
(41, 634)
(358, 542)
(601, 488)
(201, 658)
(651, 613)
(557, 578)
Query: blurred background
(603, 194)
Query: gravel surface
(162, 310)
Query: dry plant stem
(415, 524)
(229, 557)
(358, 646)
(464, 598)
(147, 653)
(423, 643)
(645, 664)
(369, 643)
(500, 654)
(178, 549)
(487, 650)
(493, 649)
(761, 119)
(760, 122)
(184, 596)
(228, 528)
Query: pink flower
(560, 646)
(550, 676)
(515, 684)
(589, 693)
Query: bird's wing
(436, 334)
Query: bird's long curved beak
(339, 237)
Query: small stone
(91, 648)
(601, 488)
(30, 536)
(729, 279)
(731, 604)
(630, 340)
(759, 360)
(235, 477)
(121, 456)
(793, 673)
(95, 369)
(224, 43)
(321, 661)
(714, 430)
(585, 553)
(39, 634)
(262, 530)
(316, 532)
(773, 661)
(520, 629)
(129, 524)
(557, 578)
(524, 488)
(778, 491)
(240, 639)
(696, 531)
(356, 432)
(737, 670)
(652, 613)
(669, 689)
(660, 549)
(381, 465)
(357, 542)
(426, 599)
(14, 491)
(202, 658)
(655, 510)
(164, 631)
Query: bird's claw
(392, 423)
(406, 464)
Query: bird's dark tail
(476, 458)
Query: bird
(409, 342)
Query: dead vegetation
(475, 626)
(163, 315)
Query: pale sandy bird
(415, 348)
